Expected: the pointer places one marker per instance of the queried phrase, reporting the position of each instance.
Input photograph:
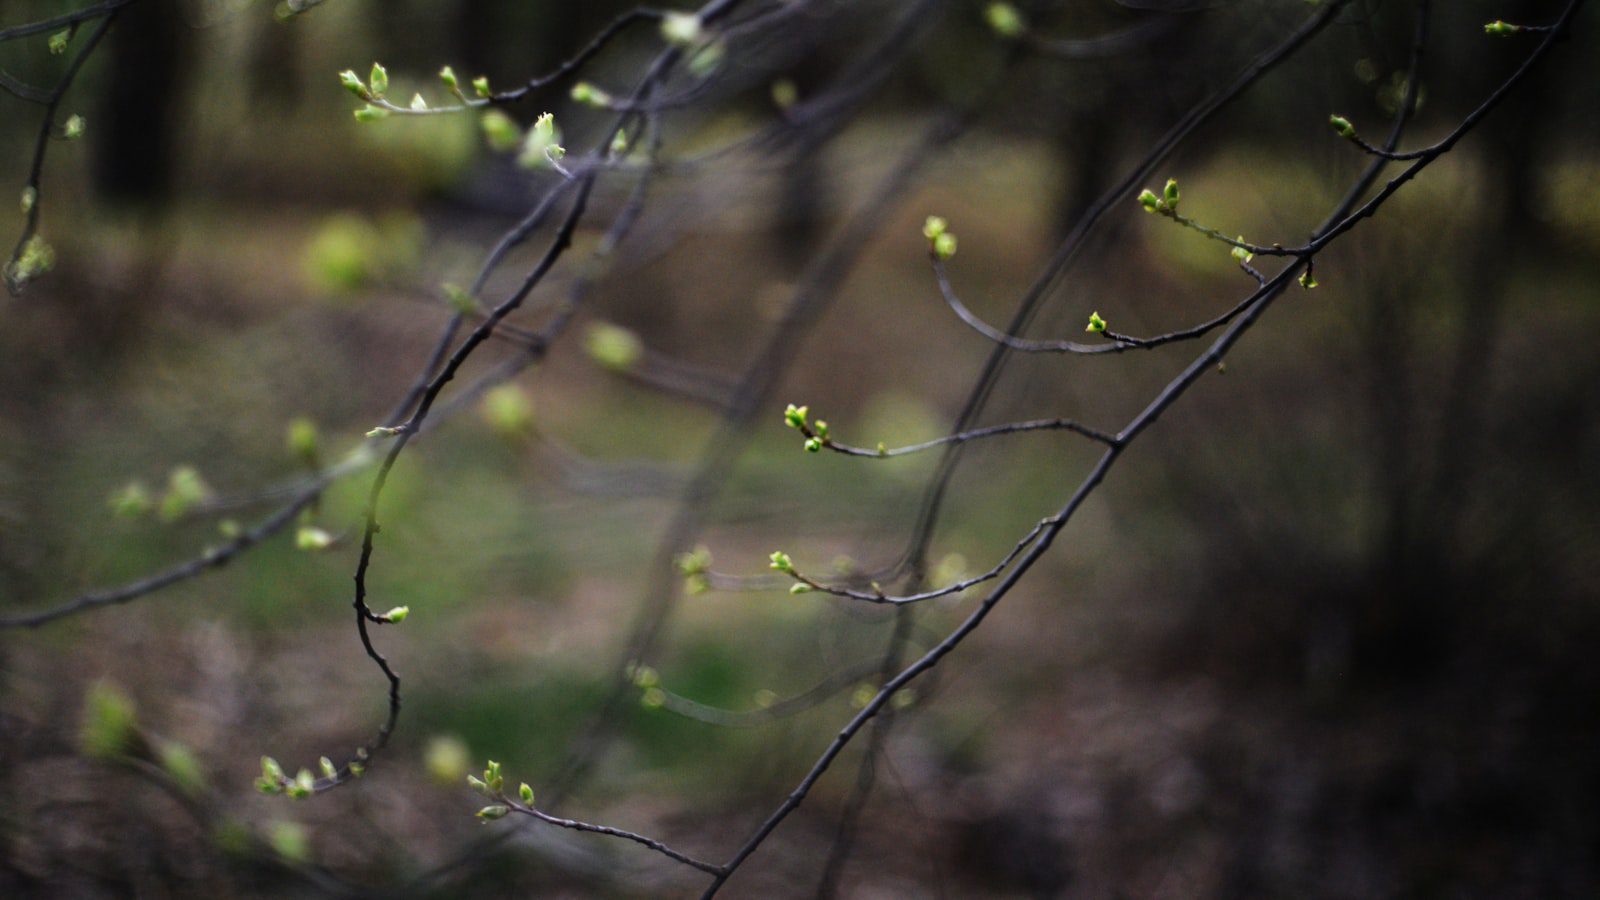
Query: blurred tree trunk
(146, 66)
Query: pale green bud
(1498, 28)
(353, 83)
(508, 410)
(109, 727)
(1342, 126)
(785, 93)
(944, 246)
(1005, 20)
(681, 29)
(370, 113)
(813, 445)
(782, 562)
(1149, 200)
(589, 95)
(613, 346)
(480, 86)
(329, 770)
(448, 76)
(1096, 324)
(58, 41)
(795, 416)
(310, 538)
(301, 440)
(934, 226)
(1241, 254)
(30, 196)
(397, 615)
(494, 811)
(379, 81)
(74, 127)
(526, 793)
(800, 588)
(385, 431)
(1169, 194)
(418, 104)
(501, 133)
(131, 501)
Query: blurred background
(1327, 631)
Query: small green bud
(696, 585)
(446, 758)
(1242, 255)
(131, 501)
(58, 41)
(862, 696)
(653, 698)
(109, 728)
(289, 840)
(30, 197)
(695, 562)
(301, 440)
(821, 428)
(619, 143)
(708, 57)
(357, 770)
(329, 770)
(813, 445)
(1169, 194)
(800, 588)
(303, 786)
(185, 490)
(448, 76)
(499, 131)
(782, 562)
(883, 449)
(612, 346)
(370, 113)
(784, 93)
(795, 416)
(589, 95)
(230, 528)
(379, 81)
(493, 777)
(385, 431)
(934, 226)
(1096, 324)
(903, 698)
(681, 29)
(477, 784)
(353, 83)
(526, 793)
(270, 770)
(1307, 280)
(418, 104)
(269, 786)
(397, 615)
(1498, 28)
(74, 127)
(1005, 20)
(1149, 200)
(494, 811)
(1342, 127)
(646, 677)
(459, 300)
(310, 538)
(944, 246)
(508, 410)
(542, 144)
(480, 86)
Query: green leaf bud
(109, 728)
(289, 840)
(499, 131)
(310, 538)
(784, 93)
(30, 197)
(695, 562)
(418, 104)
(397, 615)
(1096, 324)
(303, 786)
(944, 246)
(587, 94)
(370, 113)
(131, 501)
(74, 127)
(379, 81)
(542, 144)
(653, 698)
(795, 416)
(329, 770)
(1149, 200)
(185, 490)
(800, 587)
(782, 562)
(493, 811)
(301, 440)
(1005, 20)
(353, 83)
(1498, 28)
(1242, 255)
(612, 346)
(508, 410)
(681, 29)
(451, 84)
(1307, 280)
(1342, 127)
(385, 431)
(270, 770)
(480, 86)
(813, 445)
(1169, 194)
(58, 41)
(526, 793)
(477, 784)
(933, 226)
